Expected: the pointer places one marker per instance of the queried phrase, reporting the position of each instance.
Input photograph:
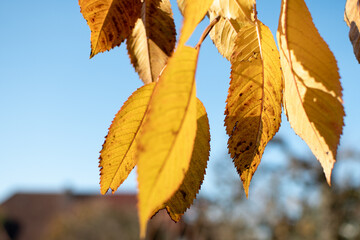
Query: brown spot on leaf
(111, 37)
(183, 193)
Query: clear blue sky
(56, 105)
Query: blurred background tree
(289, 200)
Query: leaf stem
(255, 13)
(206, 31)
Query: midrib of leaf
(144, 19)
(181, 125)
(133, 140)
(259, 133)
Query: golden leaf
(181, 6)
(240, 10)
(352, 19)
(186, 194)
(234, 14)
(223, 34)
(312, 92)
(166, 142)
(117, 157)
(152, 40)
(253, 110)
(110, 21)
(193, 14)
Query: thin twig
(206, 31)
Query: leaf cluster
(163, 127)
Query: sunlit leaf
(152, 40)
(186, 194)
(234, 14)
(181, 5)
(240, 10)
(110, 21)
(194, 11)
(253, 110)
(352, 19)
(312, 93)
(117, 157)
(166, 143)
(223, 34)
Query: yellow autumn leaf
(234, 14)
(186, 194)
(194, 11)
(181, 6)
(253, 110)
(223, 34)
(240, 10)
(352, 19)
(152, 40)
(312, 91)
(117, 157)
(166, 142)
(110, 21)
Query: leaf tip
(246, 177)
(246, 186)
(328, 172)
(92, 54)
(143, 223)
(103, 191)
